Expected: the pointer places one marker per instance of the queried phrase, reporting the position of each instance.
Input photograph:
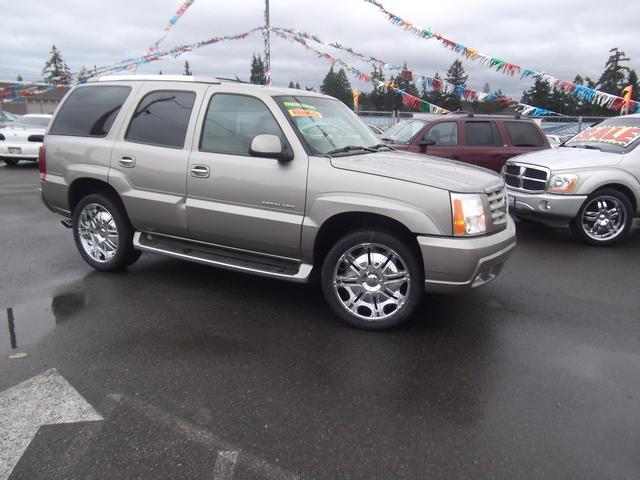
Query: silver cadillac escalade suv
(270, 181)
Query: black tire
(408, 294)
(12, 162)
(613, 199)
(123, 254)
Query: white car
(22, 138)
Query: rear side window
(162, 118)
(523, 134)
(90, 111)
(232, 121)
(482, 134)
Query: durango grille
(525, 177)
(498, 205)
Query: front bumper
(28, 151)
(545, 205)
(453, 264)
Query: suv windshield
(328, 126)
(404, 131)
(615, 135)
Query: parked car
(483, 140)
(22, 138)
(591, 182)
(273, 182)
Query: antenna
(267, 43)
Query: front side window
(404, 132)
(162, 118)
(326, 125)
(90, 111)
(481, 134)
(523, 134)
(615, 135)
(444, 134)
(233, 121)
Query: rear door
(237, 200)
(447, 138)
(524, 137)
(149, 161)
(483, 144)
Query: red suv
(483, 140)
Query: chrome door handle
(127, 161)
(200, 171)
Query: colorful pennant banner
(427, 82)
(586, 94)
(170, 24)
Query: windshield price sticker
(616, 135)
(301, 112)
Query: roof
(239, 86)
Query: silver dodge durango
(270, 181)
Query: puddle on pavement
(25, 324)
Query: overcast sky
(560, 38)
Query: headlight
(562, 183)
(468, 214)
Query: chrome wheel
(371, 281)
(98, 233)
(604, 218)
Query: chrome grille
(525, 177)
(498, 204)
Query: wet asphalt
(537, 375)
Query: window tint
(90, 111)
(481, 134)
(445, 134)
(232, 121)
(523, 134)
(404, 131)
(162, 118)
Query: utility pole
(267, 43)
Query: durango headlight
(562, 183)
(468, 214)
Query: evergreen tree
(538, 95)
(456, 76)
(19, 79)
(291, 85)
(434, 96)
(297, 86)
(613, 78)
(187, 69)
(632, 79)
(337, 85)
(257, 71)
(56, 70)
(486, 88)
(378, 96)
(83, 75)
(160, 72)
(310, 89)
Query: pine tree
(538, 95)
(83, 75)
(19, 78)
(455, 76)
(632, 79)
(257, 71)
(160, 72)
(297, 86)
(337, 85)
(435, 96)
(378, 95)
(613, 78)
(56, 70)
(291, 85)
(187, 69)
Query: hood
(566, 158)
(423, 169)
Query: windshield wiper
(350, 148)
(587, 147)
(378, 146)
(387, 139)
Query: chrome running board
(220, 257)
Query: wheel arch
(624, 189)
(82, 187)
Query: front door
(445, 135)
(235, 199)
(149, 160)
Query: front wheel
(372, 280)
(103, 233)
(604, 218)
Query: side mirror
(269, 146)
(427, 142)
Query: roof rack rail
(167, 78)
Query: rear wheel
(372, 280)
(604, 218)
(103, 233)
(11, 161)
